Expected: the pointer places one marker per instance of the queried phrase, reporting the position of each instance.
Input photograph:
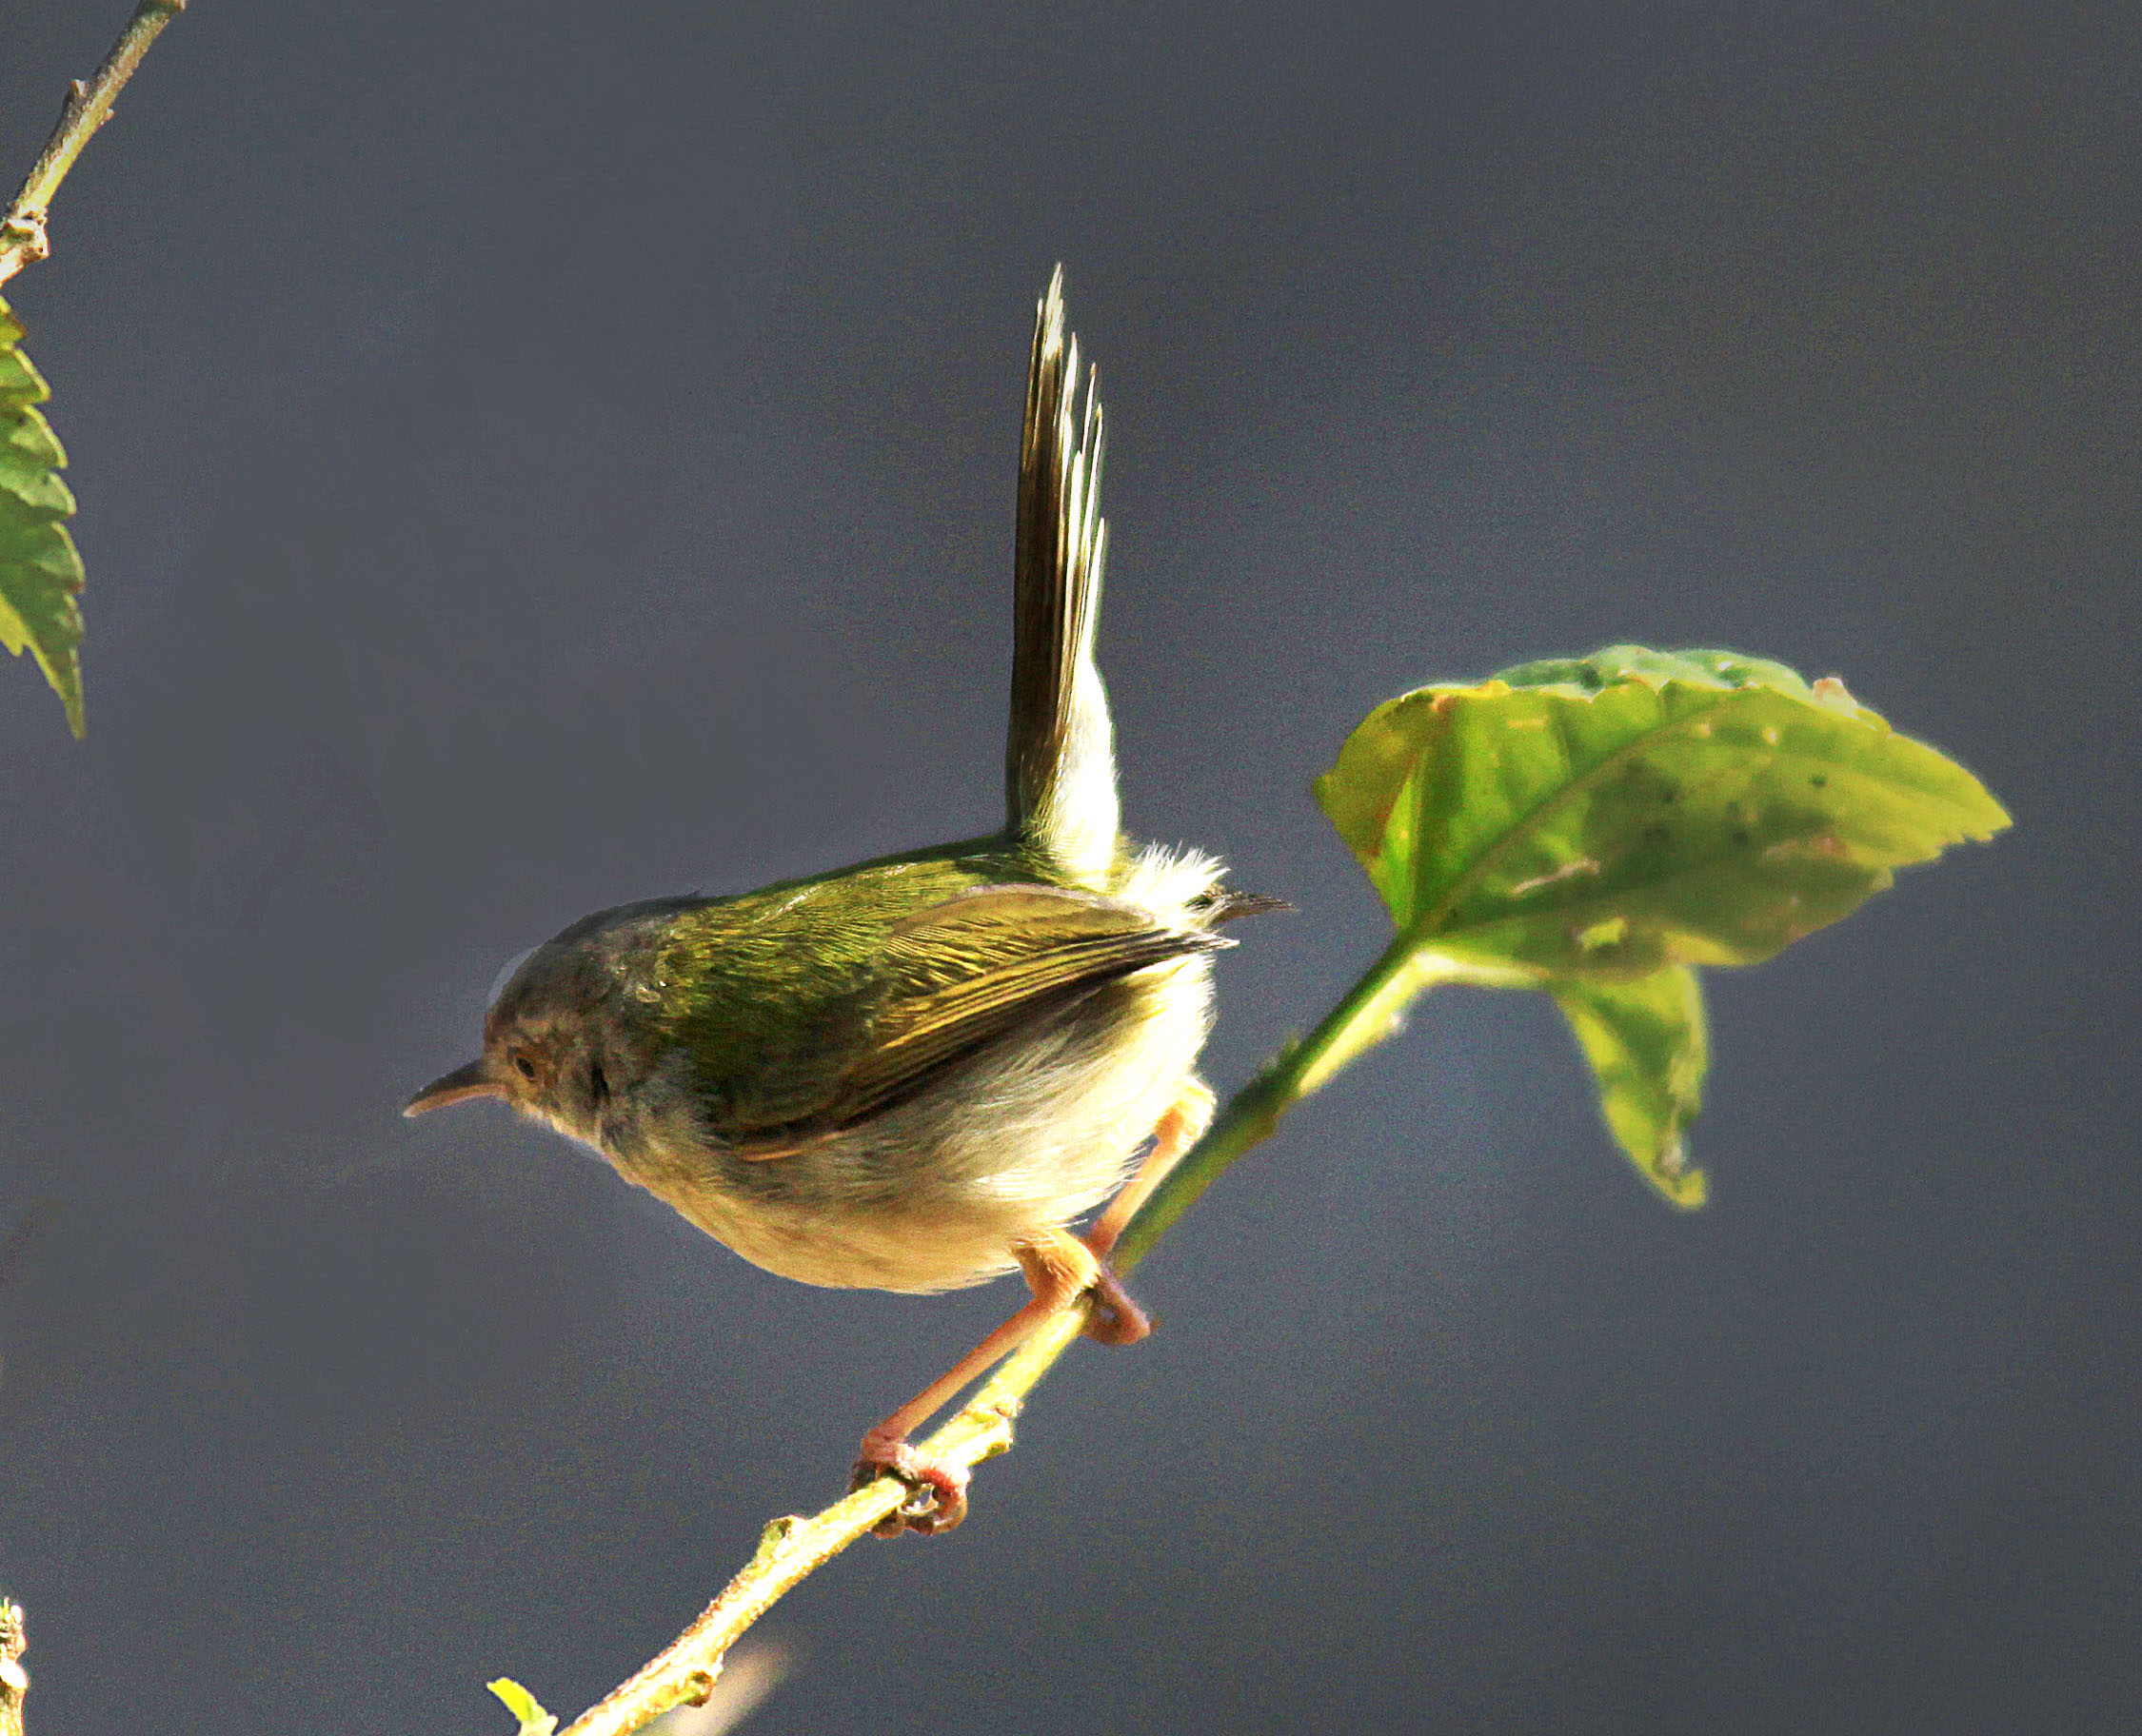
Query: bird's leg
(1117, 1319)
(1061, 1269)
(1179, 1129)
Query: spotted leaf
(1594, 826)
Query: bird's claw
(936, 1499)
(1112, 1317)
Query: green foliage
(40, 572)
(1648, 1045)
(523, 1705)
(1594, 826)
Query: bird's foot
(1112, 1317)
(938, 1493)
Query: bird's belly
(932, 1193)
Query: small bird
(917, 1073)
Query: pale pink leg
(1061, 1269)
(1181, 1128)
(1115, 1318)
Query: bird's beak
(456, 1087)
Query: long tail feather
(1060, 761)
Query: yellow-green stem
(23, 237)
(1364, 1018)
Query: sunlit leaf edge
(41, 572)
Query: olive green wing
(958, 976)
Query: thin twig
(15, 1683)
(23, 240)
(790, 1549)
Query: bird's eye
(524, 1067)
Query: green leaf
(1592, 826)
(522, 1704)
(1632, 810)
(40, 572)
(1647, 1042)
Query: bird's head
(547, 1048)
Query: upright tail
(1059, 762)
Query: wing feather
(962, 975)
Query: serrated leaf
(40, 571)
(1589, 824)
(1647, 1044)
(523, 1705)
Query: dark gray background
(537, 456)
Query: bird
(919, 1072)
